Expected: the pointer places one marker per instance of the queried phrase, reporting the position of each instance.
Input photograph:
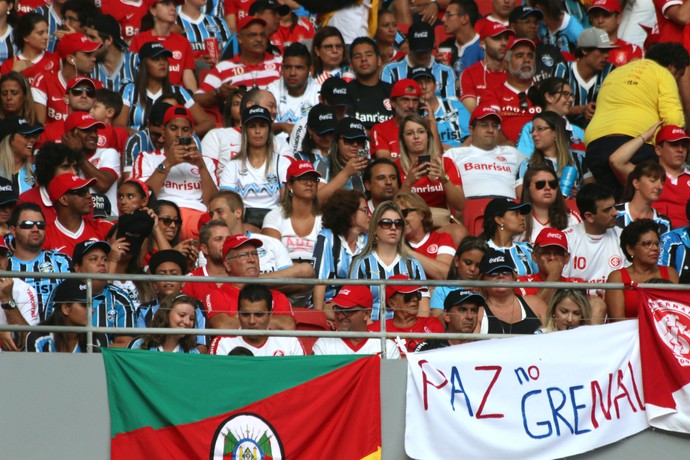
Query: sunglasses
(308, 179)
(408, 297)
(406, 212)
(522, 97)
(168, 221)
(389, 223)
(79, 192)
(90, 92)
(29, 224)
(540, 184)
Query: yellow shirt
(634, 97)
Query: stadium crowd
(319, 139)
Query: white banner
(544, 396)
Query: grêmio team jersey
(257, 187)
(593, 257)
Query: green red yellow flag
(178, 406)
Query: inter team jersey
(674, 197)
(424, 325)
(665, 29)
(128, 13)
(274, 346)
(515, 106)
(336, 346)
(45, 63)
(61, 239)
(477, 79)
(238, 72)
(432, 191)
(371, 104)
(225, 300)
(434, 244)
(384, 136)
(182, 58)
(625, 53)
(221, 145)
(49, 89)
(593, 257)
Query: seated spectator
(450, 118)
(8, 201)
(549, 210)
(587, 74)
(433, 249)
(328, 55)
(71, 197)
(345, 220)
(115, 64)
(505, 311)
(552, 147)
(525, 21)
(568, 309)
(352, 310)
(672, 151)
(16, 97)
(385, 255)
(643, 188)
(381, 182)
(606, 15)
(254, 311)
(30, 36)
(404, 302)
(106, 108)
(132, 195)
(558, 28)
(463, 43)
(554, 95)
(404, 100)
(640, 244)
(461, 314)
(465, 266)
(674, 251)
(17, 139)
(504, 220)
(212, 235)
(486, 168)
(68, 309)
(177, 312)
(317, 141)
(387, 37)
(500, 11)
(179, 172)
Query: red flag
(665, 353)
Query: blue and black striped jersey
(125, 73)
(144, 315)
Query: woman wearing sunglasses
(552, 146)
(541, 190)
(504, 223)
(169, 221)
(640, 244)
(385, 255)
(506, 312)
(434, 250)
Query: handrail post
(89, 315)
(382, 319)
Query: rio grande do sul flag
(665, 353)
(177, 406)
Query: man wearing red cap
(404, 100)
(490, 72)
(182, 60)
(404, 301)
(672, 152)
(606, 15)
(352, 310)
(71, 198)
(253, 66)
(48, 89)
(511, 98)
(486, 168)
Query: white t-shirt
(593, 257)
(299, 247)
(352, 21)
(109, 160)
(487, 172)
(573, 219)
(257, 188)
(182, 184)
(291, 109)
(273, 255)
(335, 346)
(274, 346)
(27, 302)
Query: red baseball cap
(390, 290)
(406, 87)
(520, 41)
(299, 168)
(612, 6)
(493, 29)
(64, 183)
(141, 184)
(151, 3)
(203, 220)
(71, 43)
(482, 111)
(245, 21)
(235, 241)
(551, 237)
(76, 80)
(177, 111)
(671, 133)
(351, 296)
(82, 120)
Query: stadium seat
(309, 319)
(473, 215)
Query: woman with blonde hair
(16, 151)
(569, 308)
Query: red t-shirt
(128, 15)
(49, 89)
(434, 244)
(538, 279)
(476, 79)
(674, 196)
(33, 195)
(665, 29)
(384, 136)
(61, 239)
(53, 133)
(422, 325)
(507, 100)
(225, 300)
(183, 57)
(240, 8)
(432, 192)
(49, 62)
(302, 30)
(27, 6)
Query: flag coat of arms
(171, 405)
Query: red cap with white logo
(483, 111)
(82, 120)
(235, 241)
(671, 133)
(64, 183)
(551, 237)
(351, 296)
(493, 29)
(612, 6)
(299, 168)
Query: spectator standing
(606, 15)
(559, 28)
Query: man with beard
(369, 93)
(404, 99)
(460, 313)
(511, 99)
(352, 310)
(115, 64)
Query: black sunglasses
(29, 224)
(90, 92)
(524, 105)
(389, 223)
(407, 211)
(540, 184)
(79, 191)
(168, 221)
(412, 295)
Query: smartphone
(362, 153)
(185, 140)
(424, 159)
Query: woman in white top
(256, 173)
(297, 221)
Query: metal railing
(383, 335)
